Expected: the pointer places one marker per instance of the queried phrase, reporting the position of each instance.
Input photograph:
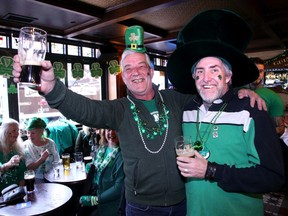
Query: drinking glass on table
(29, 176)
(66, 161)
(184, 146)
(78, 159)
(32, 51)
(56, 168)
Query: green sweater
(150, 179)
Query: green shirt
(273, 101)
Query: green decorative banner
(77, 71)
(96, 70)
(12, 89)
(59, 70)
(6, 66)
(114, 67)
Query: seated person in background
(273, 101)
(12, 165)
(40, 151)
(87, 140)
(64, 135)
(108, 179)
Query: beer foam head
(31, 62)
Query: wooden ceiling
(105, 21)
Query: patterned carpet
(276, 204)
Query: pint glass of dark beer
(31, 50)
(29, 177)
(87, 159)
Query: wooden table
(47, 198)
(68, 177)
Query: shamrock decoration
(6, 66)
(77, 71)
(12, 89)
(133, 37)
(59, 70)
(96, 70)
(114, 67)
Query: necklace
(199, 145)
(143, 129)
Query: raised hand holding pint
(32, 51)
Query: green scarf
(101, 162)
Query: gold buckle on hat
(133, 46)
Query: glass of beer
(66, 161)
(29, 176)
(184, 146)
(32, 51)
(87, 159)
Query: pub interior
(85, 40)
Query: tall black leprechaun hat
(218, 33)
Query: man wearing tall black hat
(239, 155)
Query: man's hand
(192, 167)
(253, 98)
(46, 74)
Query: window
(14, 42)
(87, 86)
(73, 50)
(31, 104)
(159, 79)
(160, 62)
(3, 41)
(87, 52)
(4, 108)
(57, 48)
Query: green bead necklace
(200, 142)
(151, 133)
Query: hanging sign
(59, 70)
(114, 67)
(6, 66)
(96, 70)
(77, 71)
(12, 89)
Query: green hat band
(134, 46)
